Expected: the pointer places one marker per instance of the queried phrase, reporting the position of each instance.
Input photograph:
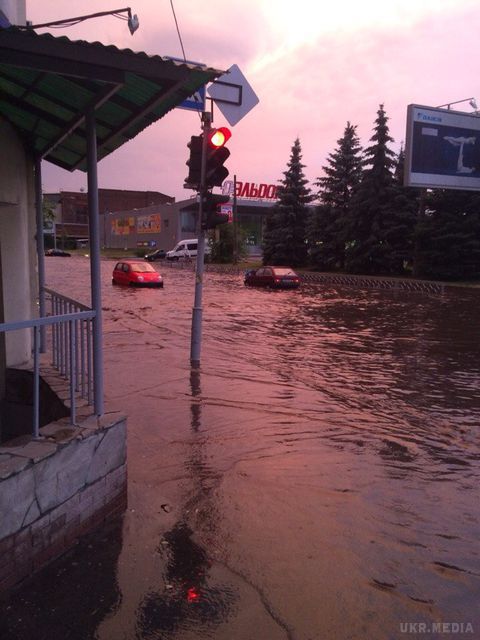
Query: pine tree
(368, 247)
(326, 229)
(448, 236)
(400, 227)
(284, 236)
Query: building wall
(150, 228)
(71, 207)
(17, 243)
(57, 490)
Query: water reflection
(72, 596)
(190, 600)
(191, 597)
(328, 452)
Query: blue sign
(195, 102)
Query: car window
(192, 246)
(142, 267)
(267, 272)
(118, 266)
(126, 268)
(284, 272)
(259, 272)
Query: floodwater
(317, 478)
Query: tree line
(365, 221)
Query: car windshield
(284, 272)
(141, 267)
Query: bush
(222, 249)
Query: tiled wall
(57, 489)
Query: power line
(181, 45)
(178, 30)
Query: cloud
(314, 68)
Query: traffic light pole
(197, 312)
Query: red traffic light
(218, 137)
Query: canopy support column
(40, 247)
(94, 240)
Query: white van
(186, 249)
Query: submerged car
(136, 273)
(158, 254)
(273, 277)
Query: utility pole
(234, 221)
(211, 173)
(197, 312)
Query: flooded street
(316, 479)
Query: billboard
(149, 224)
(442, 149)
(123, 226)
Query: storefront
(248, 209)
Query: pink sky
(313, 67)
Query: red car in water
(136, 273)
(273, 277)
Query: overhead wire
(178, 31)
(182, 47)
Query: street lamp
(471, 101)
(132, 20)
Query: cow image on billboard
(442, 149)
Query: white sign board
(233, 95)
(442, 148)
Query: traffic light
(211, 217)
(194, 163)
(217, 154)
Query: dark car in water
(273, 277)
(136, 273)
(57, 252)
(158, 254)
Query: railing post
(36, 381)
(73, 369)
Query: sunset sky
(314, 66)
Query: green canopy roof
(48, 84)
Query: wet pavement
(317, 478)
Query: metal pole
(40, 248)
(95, 263)
(197, 312)
(36, 382)
(234, 221)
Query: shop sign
(252, 190)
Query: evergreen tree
(400, 227)
(222, 244)
(284, 236)
(326, 229)
(448, 236)
(368, 248)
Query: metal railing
(70, 342)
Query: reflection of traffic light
(194, 163)
(217, 154)
(211, 217)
